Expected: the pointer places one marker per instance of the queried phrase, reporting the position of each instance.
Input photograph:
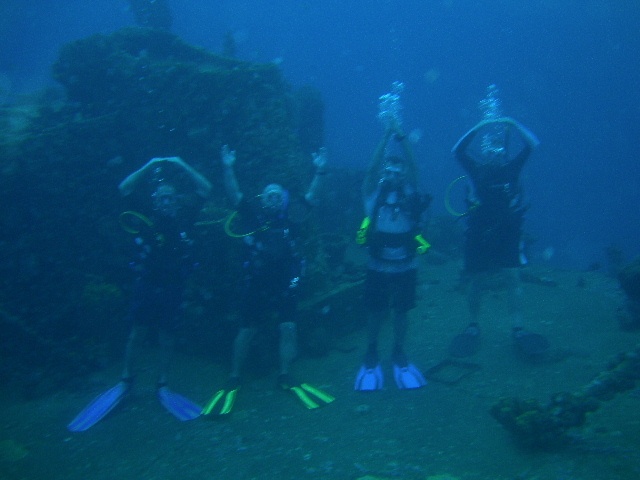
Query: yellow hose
(447, 198)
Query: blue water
(567, 69)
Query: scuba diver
(493, 239)
(162, 265)
(273, 270)
(391, 232)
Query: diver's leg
(529, 345)
(474, 297)
(240, 349)
(467, 343)
(376, 297)
(288, 346)
(404, 300)
(374, 323)
(166, 342)
(168, 313)
(514, 297)
(129, 352)
(400, 328)
(138, 312)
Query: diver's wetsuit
(496, 214)
(391, 271)
(272, 268)
(163, 263)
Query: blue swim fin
(180, 407)
(99, 407)
(408, 377)
(369, 379)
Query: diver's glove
(228, 156)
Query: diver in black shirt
(493, 239)
(162, 264)
(272, 271)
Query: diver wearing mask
(493, 239)
(164, 248)
(391, 233)
(161, 265)
(273, 270)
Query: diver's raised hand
(228, 156)
(527, 134)
(320, 159)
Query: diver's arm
(229, 176)
(320, 162)
(128, 185)
(410, 160)
(373, 173)
(529, 138)
(527, 135)
(460, 149)
(203, 187)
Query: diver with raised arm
(391, 234)
(493, 239)
(273, 270)
(162, 263)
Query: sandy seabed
(441, 429)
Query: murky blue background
(568, 69)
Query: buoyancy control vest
(393, 230)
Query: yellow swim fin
(228, 394)
(310, 396)
(323, 396)
(304, 398)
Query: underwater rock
(310, 119)
(183, 100)
(128, 96)
(546, 427)
(629, 278)
(539, 426)
(628, 315)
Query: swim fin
(180, 407)
(228, 393)
(99, 407)
(369, 379)
(467, 343)
(310, 396)
(530, 346)
(408, 377)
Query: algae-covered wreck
(126, 97)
